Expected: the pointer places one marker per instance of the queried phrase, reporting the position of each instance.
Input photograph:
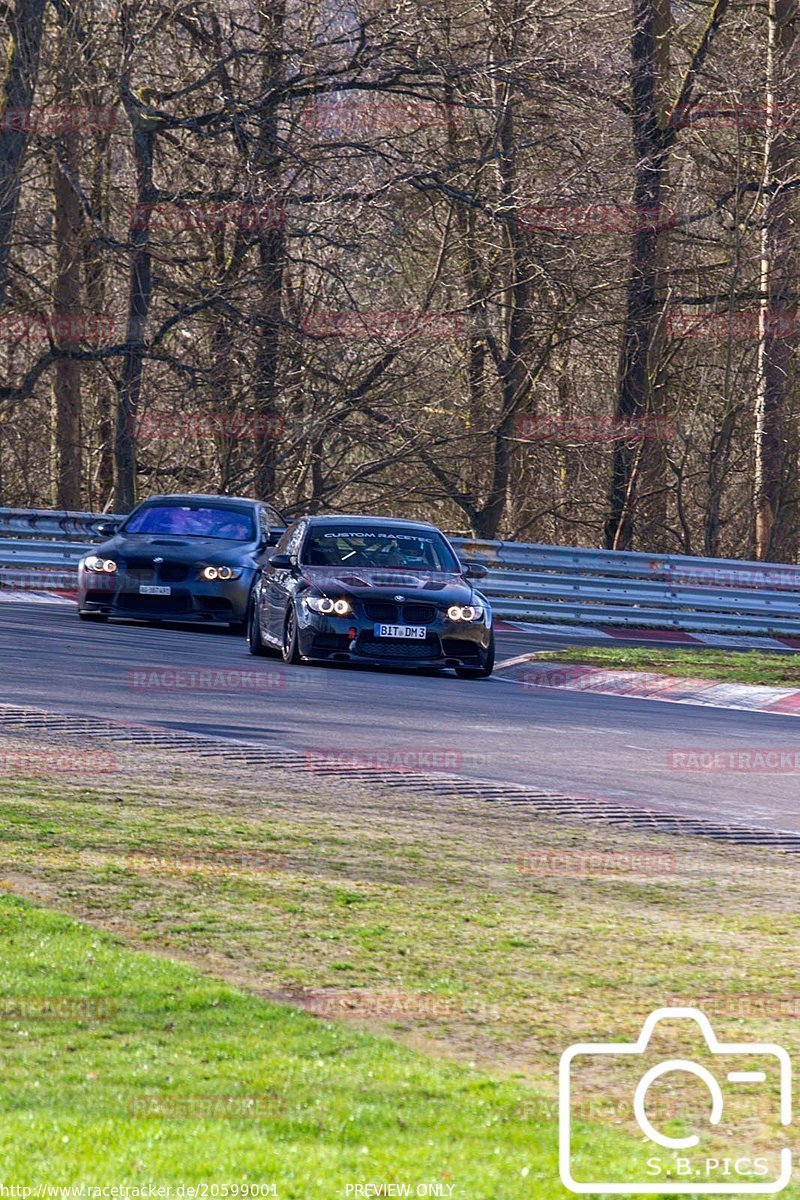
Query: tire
(255, 642)
(291, 648)
(90, 616)
(479, 672)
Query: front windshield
(193, 520)
(404, 549)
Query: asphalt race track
(590, 745)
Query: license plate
(400, 631)
(151, 589)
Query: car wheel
(291, 648)
(255, 642)
(90, 616)
(479, 672)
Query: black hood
(372, 583)
(175, 548)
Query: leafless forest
(527, 269)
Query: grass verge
(460, 946)
(751, 666)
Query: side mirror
(107, 528)
(275, 535)
(281, 562)
(475, 570)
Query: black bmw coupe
(372, 590)
(180, 558)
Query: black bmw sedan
(180, 558)
(372, 590)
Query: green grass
(334, 1105)
(368, 896)
(751, 666)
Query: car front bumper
(218, 602)
(446, 644)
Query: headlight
(100, 566)
(326, 606)
(465, 612)
(223, 573)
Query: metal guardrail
(617, 587)
(56, 525)
(40, 549)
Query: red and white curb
(724, 641)
(11, 595)
(644, 685)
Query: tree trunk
(655, 125)
(68, 449)
(776, 523)
(513, 370)
(649, 69)
(271, 247)
(95, 266)
(18, 90)
(139, 297)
